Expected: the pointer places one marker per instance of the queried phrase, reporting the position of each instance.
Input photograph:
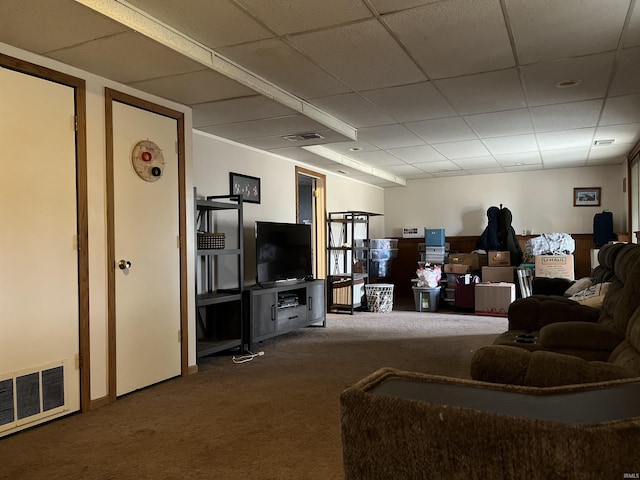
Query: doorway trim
(116, 96)
(319, 217)
(80, 97)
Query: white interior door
(39, 319)
(146, 227)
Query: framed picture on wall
(586, 197)
(248, 187)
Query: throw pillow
(592, 296)
(578, 286)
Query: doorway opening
(311, 209)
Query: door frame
(120, 97)
(79, 92)
(319, 217)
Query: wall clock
(148, 161)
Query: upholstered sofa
(572, 343)
(406, 425)
(563, 325)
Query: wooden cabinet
(219, 273)
(273, 311)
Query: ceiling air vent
(604, 143)
(299, 137)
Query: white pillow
(578, 286)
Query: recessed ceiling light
(299, 137)
(567, 83)
(355, 149)
(604, 143)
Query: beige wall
(96, 164)
(540, 201)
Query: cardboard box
(493, 299)
(498, 274)
(555, 266)
(456, 268)
(474, 260)
(499, 259)
(434, 237)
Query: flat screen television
(283, 252)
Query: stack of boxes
(434, 252)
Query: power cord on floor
(246, 358)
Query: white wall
(214, 158)
(540, 201)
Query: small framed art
(586, 197)
(248, 186)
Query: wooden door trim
(80, 97)
(120, 97)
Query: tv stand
(276, 309)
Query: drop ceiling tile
(301, 155)
(499, 124)
(126, 57)
(477, 163)
(408, 103)
(353, 109)
(546, 31)
(445, 173)
(280, 126)
(511, 144)
(377, 158)
(285, 17)
(402, 170)
(390, 136)
(237, 110)
(627, 77)
(369, 57)
(631, 36)
(272, 142)
(519, 159)
(347, 148)
(564, 139)
(484, 92)
(442, 130)
(277, 62)
(523, 168)
(43, 26)
(419, 154)
(386, 6)
(484, 171)
(195, 87)
(611, 151)
(592, 71)
(438, 167)
(455, 37)
(628, 133)
(212, 23)
(607, 160)
(465, 149)
(619, 110)
(565, 116)
(569, 156)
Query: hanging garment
(507, 237)
(603, 228)
(489, 238)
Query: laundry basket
(379, 297)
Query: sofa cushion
(592, 296)
(578, 286)
(580, 339)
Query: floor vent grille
(29, 395)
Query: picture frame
(246, 185)
(586, 197)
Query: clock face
(148, 161)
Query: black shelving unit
(219, 300)
(347, 243)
